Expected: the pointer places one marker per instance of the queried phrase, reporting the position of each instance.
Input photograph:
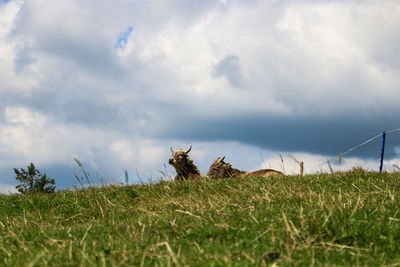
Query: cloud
(286, 134)
(310, 77)
(7, 189)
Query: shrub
(32, 181)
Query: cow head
(180, 158)
(184, 166)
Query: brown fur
(265, 173)
(221, 169)
(184, 166)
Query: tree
(32, 181)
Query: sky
(264, 83)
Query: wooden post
(301, 168)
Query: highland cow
(184, 166)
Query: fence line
(360, 145)
(395, 130)
(341, 154)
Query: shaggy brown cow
(221, 169)
(184, 166)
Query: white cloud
(8, 13)
(123, 149)
(150, 154)
(7, 189)
(31, 136)
(11, 81)
(23, 116)
(336, 69)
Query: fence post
(301, 168)
(383, 150)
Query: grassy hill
(350, 218)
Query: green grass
(344, 219)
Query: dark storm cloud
(327, 136)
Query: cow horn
(223, 158)
(189, 149)
(171, 150)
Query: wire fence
(341, 154)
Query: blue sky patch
(123, 38)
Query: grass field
(343, 219)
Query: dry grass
(349, 218)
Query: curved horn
(171, 150)
(187, 151)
